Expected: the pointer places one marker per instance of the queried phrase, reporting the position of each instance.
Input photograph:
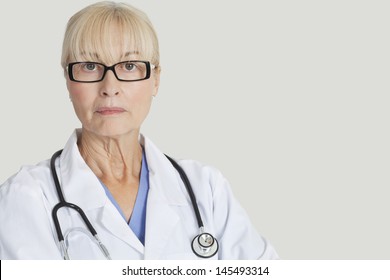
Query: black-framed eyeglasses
(126, 71)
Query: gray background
(289, 99)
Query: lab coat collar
(166, 191)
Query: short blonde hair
(89, 36)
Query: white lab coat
(27, 199)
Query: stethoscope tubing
(64, 203)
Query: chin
(114, 131)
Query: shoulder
(24, 205)
(201, 176)
(33, 181)
(199, 168)
(26, 183)
(208, 182)
(202, 171)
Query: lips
(110, 110)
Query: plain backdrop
(289, 99)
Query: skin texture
(109, 138)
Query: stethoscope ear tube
(60, 196)
(76, 208)
(56, 221)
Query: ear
(67, 87)
(66, 79)
(156, 76)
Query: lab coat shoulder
(237, 237)
(23, 214)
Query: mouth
(109, 110)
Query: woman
(131, 193)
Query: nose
(109, 85)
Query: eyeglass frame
(149, 68)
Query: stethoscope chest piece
(205, 245)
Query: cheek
(80, 97)
(75, 90)
(140, 96)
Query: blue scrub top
(138, 217)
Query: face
(113, 108)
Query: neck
(112, 159)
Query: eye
(129, 66)
(89, 66)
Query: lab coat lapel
(115, 224)
(165, 194)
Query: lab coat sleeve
(25, 231)
(237, 237)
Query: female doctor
(111, 193)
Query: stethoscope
(203, 245)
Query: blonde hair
(89, 34)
